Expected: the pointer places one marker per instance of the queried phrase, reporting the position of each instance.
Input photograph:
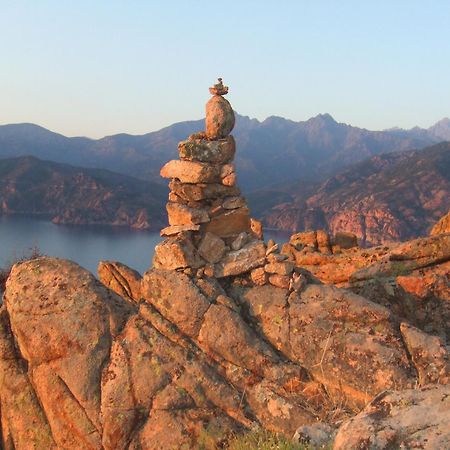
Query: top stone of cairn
(219, 88)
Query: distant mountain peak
(325, 117)
(445, 121)
(441, 129)
(276, 119)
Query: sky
(95, 68)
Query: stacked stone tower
(210, 230)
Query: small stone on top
(219, 88)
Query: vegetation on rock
(31, 253)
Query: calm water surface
(86, 245)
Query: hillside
(74, 195)
(270, 152)
(388, 197)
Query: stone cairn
(210, 232)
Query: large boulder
(350, 344)
(347, 342)
(406, 419)
(63, 321)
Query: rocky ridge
(387, 198)
(226, 333)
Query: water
(86, 245)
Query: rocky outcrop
(411, 279)
(91, 369)
(95, 371)
(349, 344)
(224, 333)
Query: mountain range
(270, 152)
(296, 175)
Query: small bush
(31, 253)
(264, 440)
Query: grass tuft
(30, 253)
(264, 440)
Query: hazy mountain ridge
(270, 152)
(440, 131)
(386, 198)
(75, 195)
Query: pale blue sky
(102, 67)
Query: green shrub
(264, 440)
